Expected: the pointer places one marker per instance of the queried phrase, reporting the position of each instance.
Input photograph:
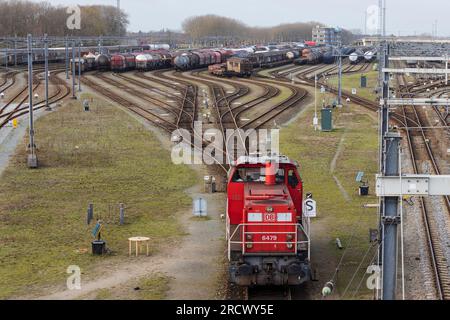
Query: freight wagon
(123, 62)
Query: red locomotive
(267, 234)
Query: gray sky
(157, 14)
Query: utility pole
(389, 214)
(340, 76)
(47, 106)
(100, 44)
(446, 68)
(32, 158)
(316, 119)
(15, 50)
(67, 58)
(79, 66)
(73, 70)
(6, 58)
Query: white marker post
(316, 119)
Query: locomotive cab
(267, 235)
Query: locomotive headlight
(249, 245)
(289, 237)
(269, 209)
(249, 237)
(290, 245)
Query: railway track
(420, 149)
(306, 77)
(62, 91)
(136, 108)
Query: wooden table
(138, 241)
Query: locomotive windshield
(256, 175)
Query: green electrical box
(327, 119)
(363, 81)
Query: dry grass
(104, 157)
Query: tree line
(208, 28)
(20, 17)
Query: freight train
(244, 65)
(267, 233)
(20, 55)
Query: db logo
(269, 217)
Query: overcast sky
(417, 17)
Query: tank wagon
(89, 61)
(356, 56)
(311, 56)
(329, 57)
(200, 59)
(144, 62)
(266, 231)
(370, 55)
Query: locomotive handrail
(242, 242)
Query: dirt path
(333, 167)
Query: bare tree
(20, 17)
(204, 27)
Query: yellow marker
(15, 123)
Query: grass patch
(151, 287)
(350, 81)
(337, 218)
(103, 156)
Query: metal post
(385, 91)
(67, 59)
(390, 220)
(6, 58)
(340, 77)
(79, 66)
(389, 205)
(15, 51)
(73, 70)
(122, 214)
(100, 44)
(47, 106)
(446, 69)
(315, 121)
(32, 159)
